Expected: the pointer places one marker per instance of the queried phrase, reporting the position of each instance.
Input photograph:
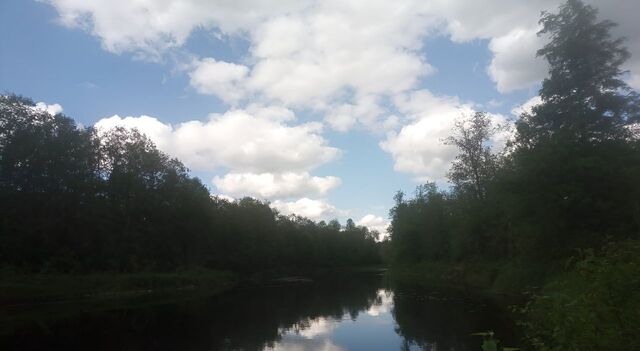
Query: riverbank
(481, 277)
(21, 288)
(586, 302)
(17, 289)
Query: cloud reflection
(383, 303)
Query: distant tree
(420, 226)
(334, 225)
(350, 225)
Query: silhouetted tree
(475, 165)
(584, 98)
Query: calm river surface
(352, 313)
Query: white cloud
(223, 197)
(335, 56)
(514, 64)
(364, 110)
(157, 131)
(150, 28)
(223, 79)
(419, 148)
(52, 109)
(275, 185)
(527, 106)
(511, 33)
(313, 53)
(313, 209)
(634, 81)
(255, 140)
(341, 58)
(375, 223)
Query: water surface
(351, 313)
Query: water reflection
(375, 329)
(358, 313)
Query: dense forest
(76, 200)
(559, 207)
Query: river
(358, 312)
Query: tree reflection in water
(352, 313)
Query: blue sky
(323, 108)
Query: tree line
(75, 200)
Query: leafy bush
(594, 306)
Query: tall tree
(575, 152)
(584, 97)
(475, 164)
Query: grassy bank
(16, 288)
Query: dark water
(352, 313)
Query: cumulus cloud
(313, 209)
(52, 109)
(150, 28)
(419, 148)
(514, 64)
(313, 52)
(268, 157)
(245, 140)
(160, 133)
(365, 110)
(376, 223)
(275, 185)
(223, 79)
(511, 33)
(337, 57)
(370, 48)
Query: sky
(323, 108)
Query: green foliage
(418, 226)
(593, 306)
(475, 165)
(491, 343)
